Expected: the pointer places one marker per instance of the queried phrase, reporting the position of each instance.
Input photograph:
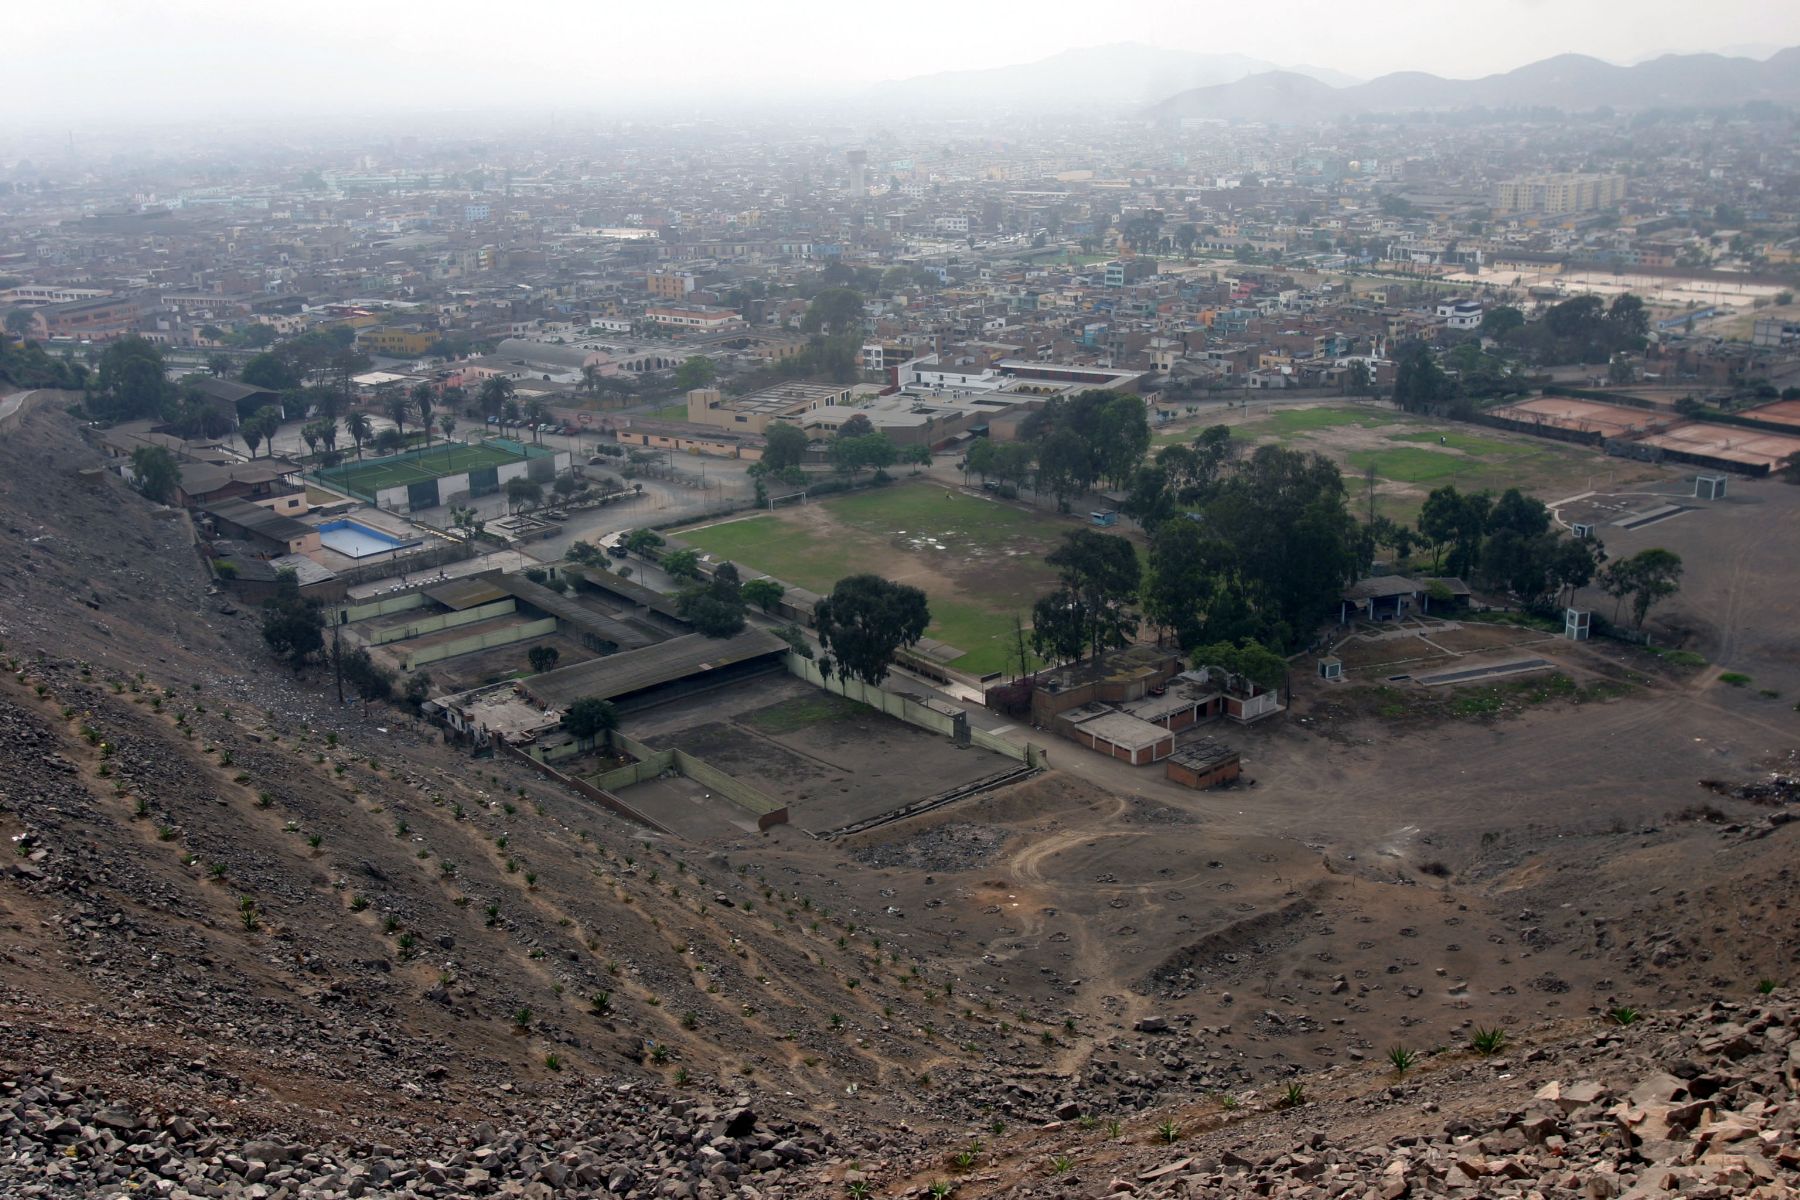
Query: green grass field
(979, 562)
(1409, 464)
(447, 458)
(1292, 422)
(668, 412)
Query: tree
(1647, 577)
(1194, 588)
(682, 564)
(784, 446)
(423, 397)
(360, 429)
(133, 383)
(398, 406)
(366, 677)
(1449, 518)
(1059, 626)
(262, 426)
(1064, 466)
(156, 472)
(1123, 438)
(1420, 385)
(980, 458)
(1101, 571)
(872, 451)
(19, 322)
(1254, 661)
(389, 441)
(642, 541)
(715, 608)
(542, 658)
(695, 371)
(864, 621)
(764, 593)
(447, 423)
(495, 394)
(292, 625)
(1284, 514)
(834, 311)
(589, 717)
(218, 365)
(270, 371)
(1499, 322)
(524, 493)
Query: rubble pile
(622, 1139)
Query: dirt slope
(230, 905)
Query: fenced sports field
(419, 466)
(436, 475)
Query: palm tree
(494, 395)
(536, 414)
(328, 431)
(447, 423)
(358, 427)
(422, 396)
(590, 379)
(399, 407)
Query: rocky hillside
(253, 942)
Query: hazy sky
(69, 60)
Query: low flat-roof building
(1117, 734)
(688, 663)
(758, 410)
(266, 534)
(1203, 764)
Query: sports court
(418, 466)
(1729, 443)
(1584, 416)
(1781, 412)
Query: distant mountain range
(1125, 74)
(1572, 82)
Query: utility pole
(337, 658)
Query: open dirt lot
(833, 762)
(1425, 645)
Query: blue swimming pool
(353, 539)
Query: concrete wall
(480, 641)
(379, 608)
(580, 786)
(912, 712)
(652, 763)
(442, 621)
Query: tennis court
(418, 466)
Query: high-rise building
(859, 172)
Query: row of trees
(1070, 445)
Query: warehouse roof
(633, 671)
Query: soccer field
(979, 561)
(418, 466)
